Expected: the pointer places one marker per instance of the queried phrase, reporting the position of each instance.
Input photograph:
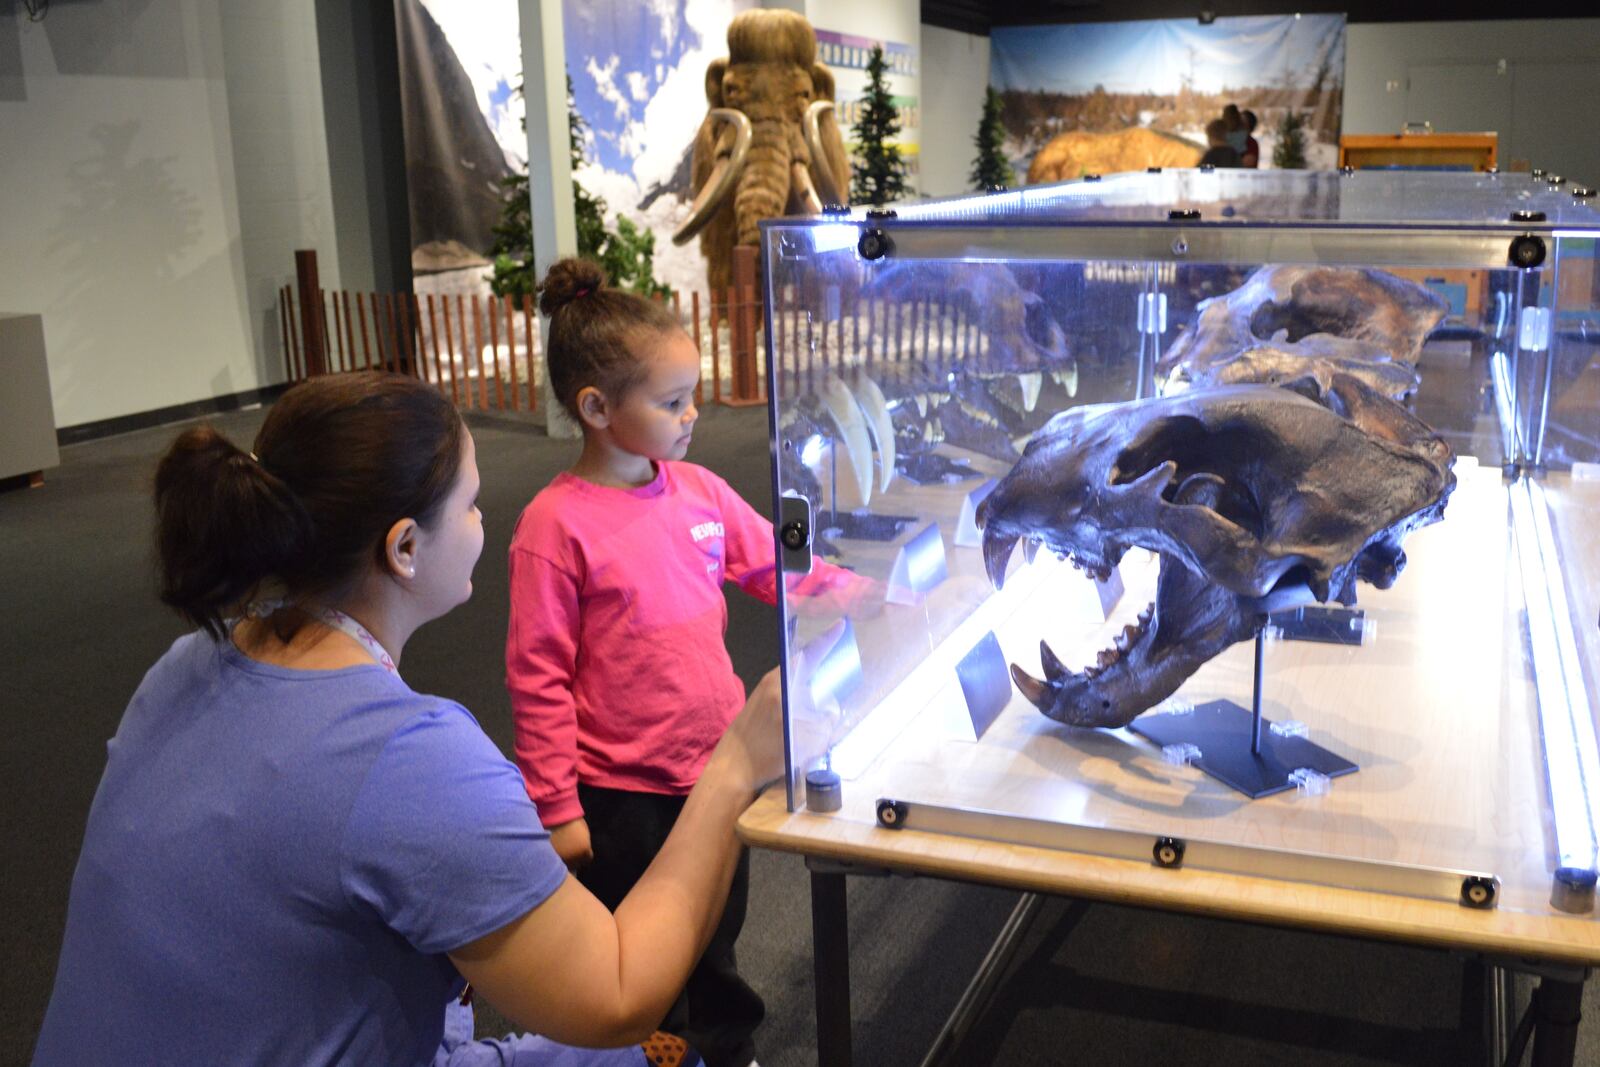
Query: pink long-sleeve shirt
(615, 655)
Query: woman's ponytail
(343, 457)
(224, 523)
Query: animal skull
(1255, 497)
(1367, 322)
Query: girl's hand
(571, 841)
(754, 741)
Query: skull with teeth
(1254, 497)
(1367, 322)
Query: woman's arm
(576, 973)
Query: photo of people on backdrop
(1098, 98)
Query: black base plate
(1221, 731)
(929, 468)
(862, 525)
(1334, 626)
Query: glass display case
(1241, 520)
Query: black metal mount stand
(1239, 748)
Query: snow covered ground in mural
(638, 75)
(638, 78)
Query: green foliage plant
(991, 168)
(878, 173)
(628, 254)
(1290, 151)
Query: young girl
(295, 858)
(620, 683)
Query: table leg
(830, 940)
(1558, 1007)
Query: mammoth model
(769, 145)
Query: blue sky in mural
(1156, 56)
(619, 52)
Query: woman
(294, 858)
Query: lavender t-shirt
(275, 865)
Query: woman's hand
(753, 746)
(571, 841)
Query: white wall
(159, 160)
(883, 20)
(952, 107)
(1534, 82)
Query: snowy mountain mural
(638, 77)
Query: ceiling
(979, 16)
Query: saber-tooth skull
(1254, 497)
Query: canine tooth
(997, 550)
(1031, 384)
(1037, 692)
(1054, 669)
(922, 404)
(1030, 549)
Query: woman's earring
(411, 572)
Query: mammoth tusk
(811, 127)
(805, 194)
(723, 175)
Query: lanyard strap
(363, 637)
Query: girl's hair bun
(570, 279)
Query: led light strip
(1566, 721)
(1505, 405)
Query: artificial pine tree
(627, 255)
(1290, 151)
(991, 169)
(879, 174)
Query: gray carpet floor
(1096, 985)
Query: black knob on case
(793, 535)
(874, 244)
(1526, 252)
(1478, 892)
(891, 814)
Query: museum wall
(899, 24)
(161, 162)
(952, 104)
(1541, 101)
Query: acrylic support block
(1314, 622)
(967, 534)
(832, 667)
(985, 683)
(1109, 591)
(919, 567)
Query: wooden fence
(484, 351)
